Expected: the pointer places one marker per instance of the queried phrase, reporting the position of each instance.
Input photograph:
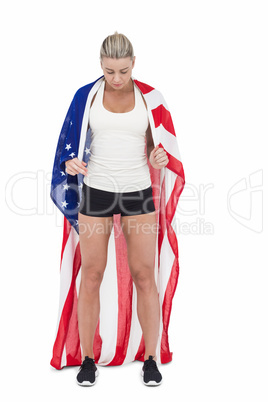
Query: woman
(117, 181)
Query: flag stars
(72, 154)
(65, 186)
(68, 147)
(62, 173)
(64, 204)
(87, 151)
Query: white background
(209, 59)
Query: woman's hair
(116, 46)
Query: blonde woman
(117, 180)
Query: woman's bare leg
(140, 233)
(94, 233)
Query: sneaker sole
(150, 383)
(88, 383)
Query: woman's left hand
(158, 158)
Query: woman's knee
(143, 278)
(91, 278)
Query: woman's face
(117, 72)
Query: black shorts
(99, 203)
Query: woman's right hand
(75, 166)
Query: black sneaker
(150, 373)
(87, 373)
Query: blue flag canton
(71, 186)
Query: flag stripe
(153, 98)
(124, 281)
(68, 276)
(162, 116)
(109, 304)
(135, 335)
(170, 287)
(73, 350)
(168, 141)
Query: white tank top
(118, 154)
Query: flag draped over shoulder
(118, 338)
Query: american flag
(118, 338)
